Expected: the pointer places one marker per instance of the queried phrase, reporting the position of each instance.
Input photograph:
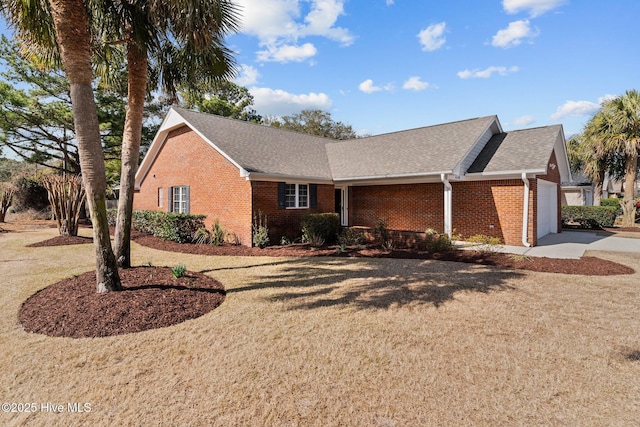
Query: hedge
(166, 225)
(612, 201)
(589, 216)
(320, 225)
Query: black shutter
(188, 200)
(170, 199)
(313, 195)
(281, 195)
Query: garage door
(547, 208)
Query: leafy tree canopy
(36, 119)
(314, 122)
(223, 98)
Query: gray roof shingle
(520, 150)
(424, 150)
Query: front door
(341, 205)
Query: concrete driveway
(573, 244)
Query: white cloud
(575, 109)
(368, 87)
(514, 34)
(487, 72)
(278, 102)
(389, 2)
(287, 53)
(524, 120)
(431, 38)
(279, 24)
(534, 7)
(247, 76)
(416, 84)
(605, 98)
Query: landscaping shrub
(320, 227)
(589, 216)
(436, 242)
(382, 234)
(179, 270)
(260, 230)
(217, 234)
(202, 236)
(172, 226)
(612, 201)
(351, 237)
(484, 243)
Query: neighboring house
(579, 192)
(467, 177)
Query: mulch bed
(152, 298)
(62, 241)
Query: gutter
(525, 212)
(448, 190)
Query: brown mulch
(588, 266)
(62, 241)
(152, 298)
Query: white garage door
(547, 208)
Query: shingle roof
(520, 150)
(424, 150)
(263, 149)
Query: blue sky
(388, 65)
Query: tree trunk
(628, 205)
(597, 189)
(70, 21)
(137, 90)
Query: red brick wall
(216, 188)
(286, 222)
(406, 207)
(476, 206)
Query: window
(180, 199)
(160, 196)
(296, 195)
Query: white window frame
(298, 196)
(160, 196)
(180, 198)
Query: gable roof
(267, 153)
(423, 151)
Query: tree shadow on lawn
(378, 284)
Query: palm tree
(621, 127)
(594, 161)
(182, 41)
(67, 24)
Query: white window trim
(184, 198)
(297, 187)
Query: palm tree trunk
(630, 175)
(597, 189)
(70, 20)
(137, 69)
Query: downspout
(448, 190)
(525, 212)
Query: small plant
(284, 241)
(149, 263)
(341, 249)
(217, 234)
(382, 234)
(519, 257)
(201, 236)
(260, 230)
(485, 244)
(233, 239)
(315, 240)
(351, 237)
(436, 242)
(179, 270)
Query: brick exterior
(215, 185)
(216, 189)
(286, 222)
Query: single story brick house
(467, 177)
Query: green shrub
(177, 227)
(217, 234)
(589, 216)
(179, 270)
(260, 230)
(436, 242)
(201, 236)
(382, 234)
(612, 201)
(484, 243)
(351, 237)
(320, 227)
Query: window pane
(290, 196)
(303, 195)
(180, 199)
